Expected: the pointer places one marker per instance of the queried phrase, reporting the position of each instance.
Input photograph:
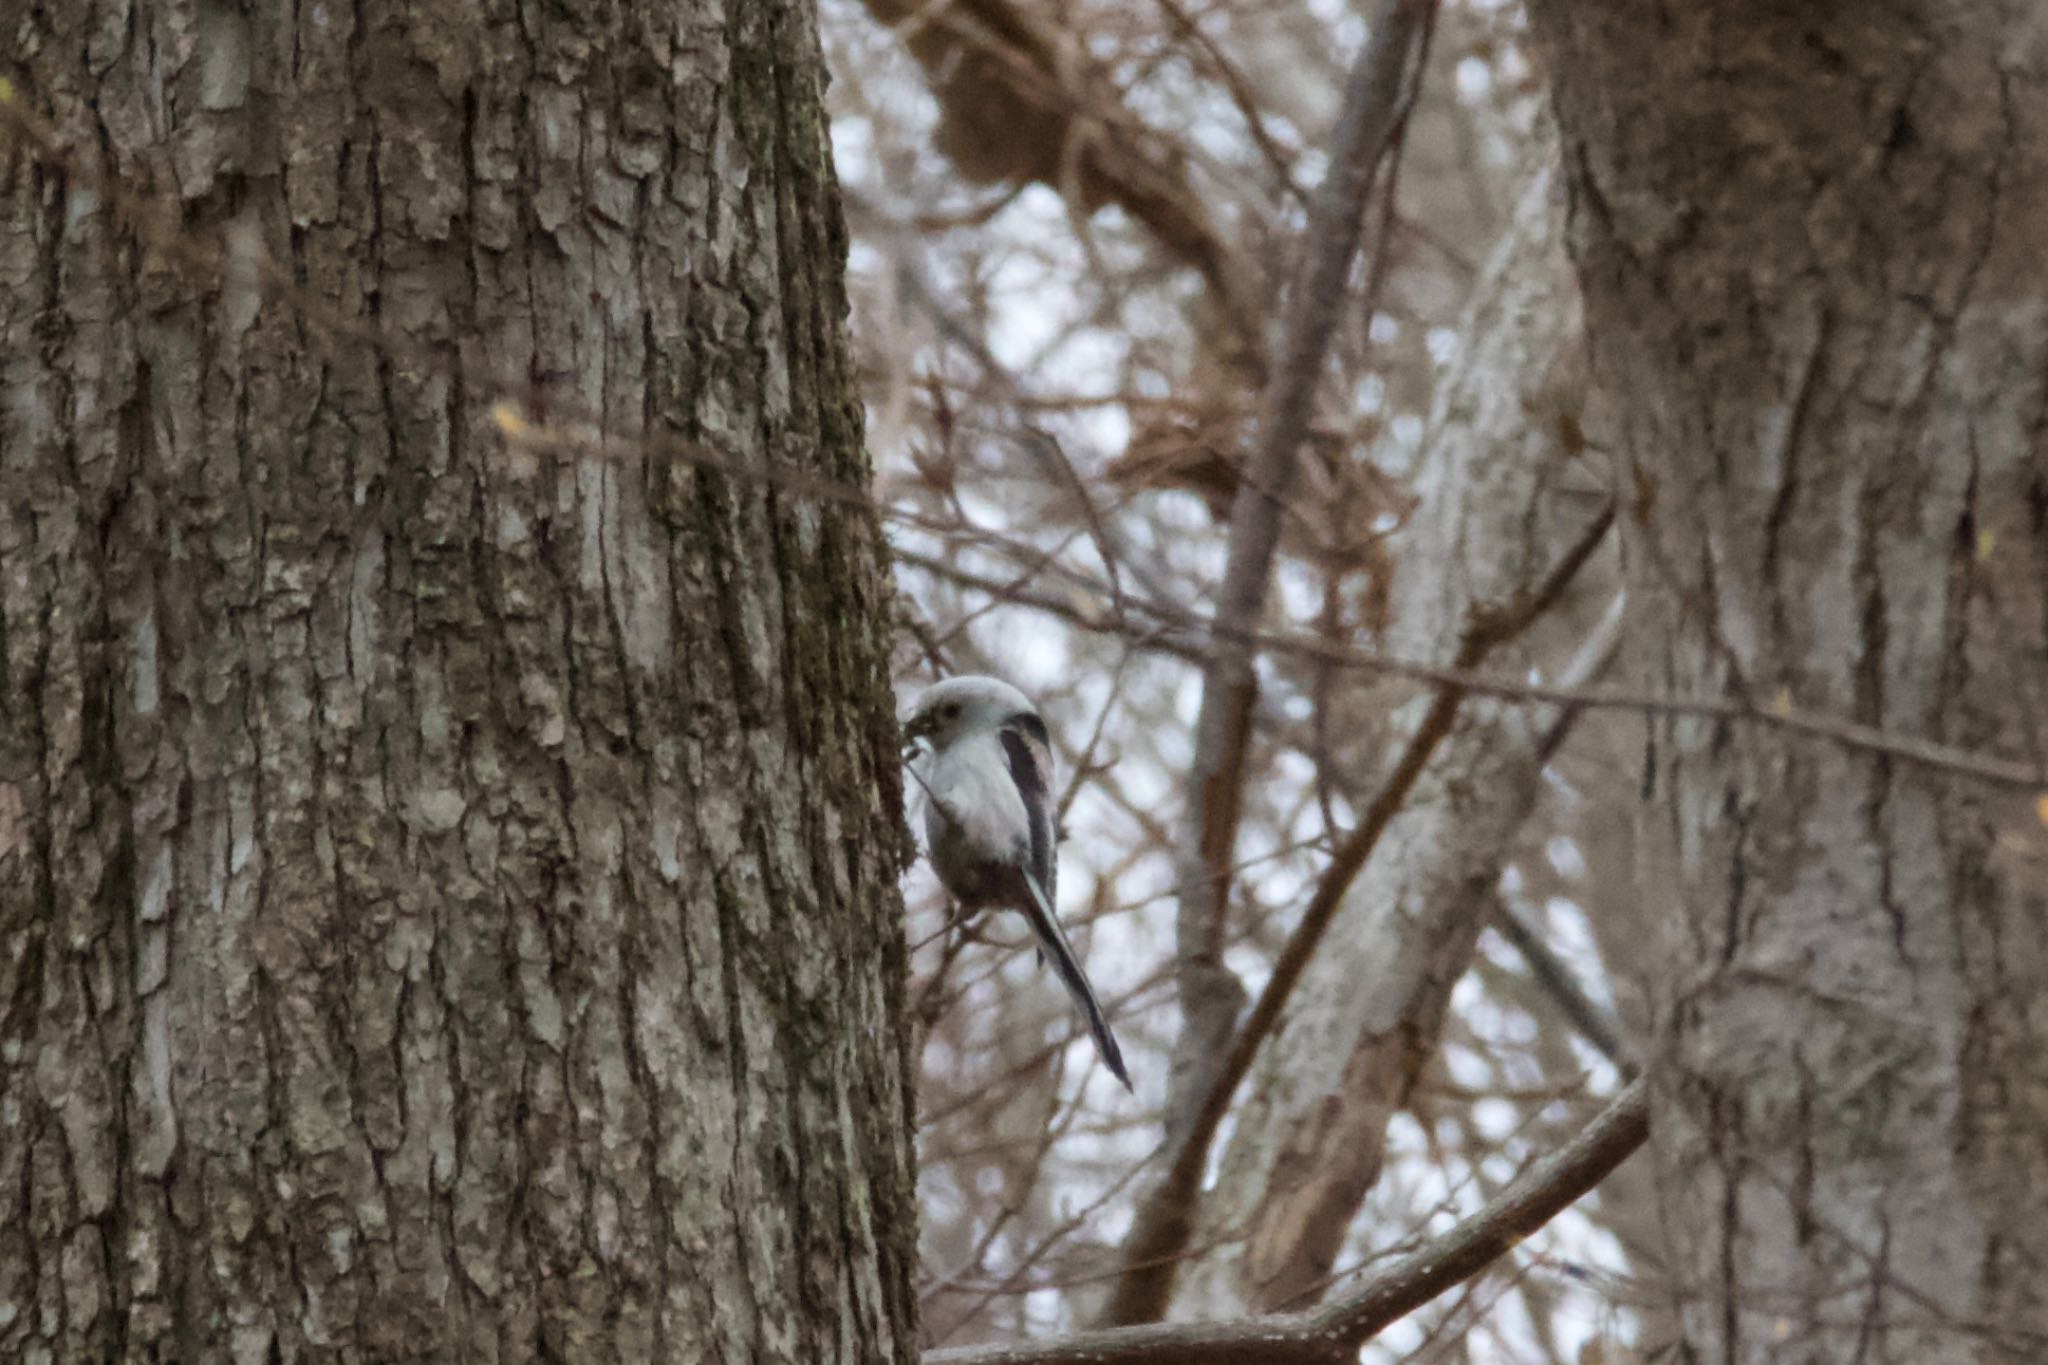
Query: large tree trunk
(1816, 284)
(447, 898)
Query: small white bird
(989, 819)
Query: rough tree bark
(447, 898)
(1817, 289)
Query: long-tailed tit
(989, 819)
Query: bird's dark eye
(949, 710)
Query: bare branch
(1174, 630)
(1210, 995)
(1334, 1333)
(1167, 1218)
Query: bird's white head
(965, 705)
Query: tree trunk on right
(1814, 245)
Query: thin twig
(1177, 631)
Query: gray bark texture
(1813, 241)
(447, 892)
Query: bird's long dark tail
(1047, 926)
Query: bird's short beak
(914, 731)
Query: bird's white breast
(969, 780)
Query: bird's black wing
(1028, 749)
